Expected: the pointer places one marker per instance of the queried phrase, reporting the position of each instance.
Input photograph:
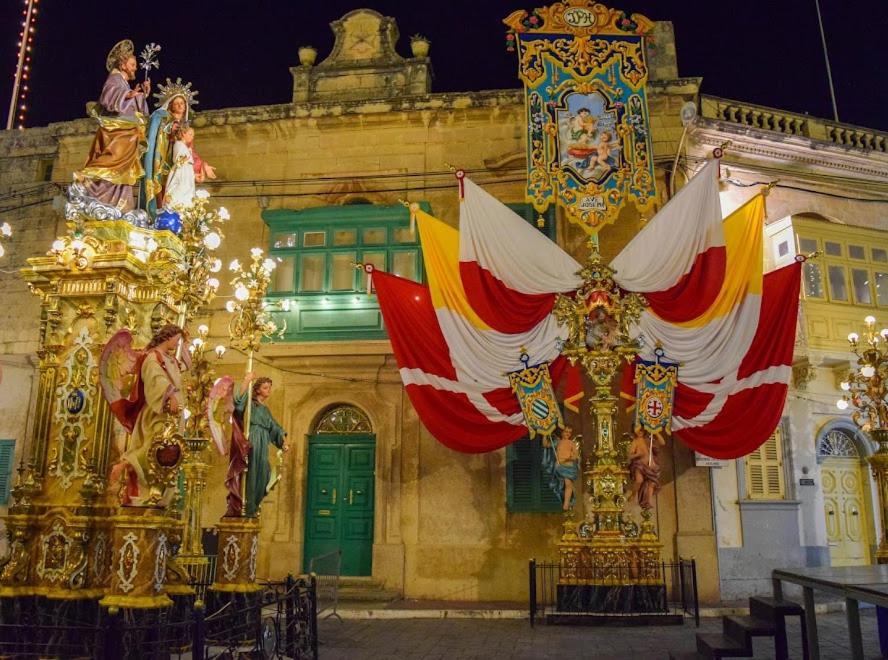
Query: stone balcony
(790, 123)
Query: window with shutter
(527, 486)
(764, 470)
(7, 452)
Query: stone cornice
(755, 147)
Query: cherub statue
(250, 455)
(644, 470)
(179, 190)
(142, 388)
(561, 460)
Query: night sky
(237, 53)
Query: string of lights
(18, 104)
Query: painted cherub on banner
(561, 461)
(143, 388)
(644, 467)
(587, 136)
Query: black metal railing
(278, 621)
(664, 588)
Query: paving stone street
(431, 639)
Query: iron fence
(327, 569)
(278, 621)
(668, 588)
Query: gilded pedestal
(238, 553)
(879, 465)
(139, 559)
(90, 285)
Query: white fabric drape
(665, 249)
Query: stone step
(743, 628)
(716, 645)
(683, 655)
(767, 607)
(353, 594)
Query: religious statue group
(144, 391)
(142, 165)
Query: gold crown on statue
(167, 92)
(121, 49)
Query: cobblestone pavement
(411, 639)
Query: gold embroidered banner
(588, 138)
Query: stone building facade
(364, 131)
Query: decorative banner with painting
(588, 140)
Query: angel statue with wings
(143, 388)
(250, 456)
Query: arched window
(837, 443)
(344, 419)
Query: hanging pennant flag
(533, 387)
(655, 391)
(588, 137)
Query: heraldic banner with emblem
(588, 142)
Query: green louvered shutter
(527, 487)
(7, 451)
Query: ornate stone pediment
(364, 36)
(363, 66)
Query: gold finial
(450, 167)
(404, 202)
(769, 187)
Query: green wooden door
(339, 514)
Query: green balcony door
(339, 514)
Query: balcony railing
(790, 123)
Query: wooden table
(856, 584)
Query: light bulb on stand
(269, 265)
(58, 245)
(213, 283)
(234, 265)
(212, 240)
(224, 214)
(229, 306)
(220, 350)
(203, 329)
(853, 337)
(870, 320)
(841, 404)
(6, 229)
(241, 293)
(845, 385)
(215, 265)
(867, 371)
(256, 252)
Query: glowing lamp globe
(212, 240)
(841, 404)
(241, 293)
(867, 371)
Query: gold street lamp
(865, 391)
(196, 462)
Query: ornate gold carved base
(58, 554)
(610, 561)
(238, 553)
(139, 557)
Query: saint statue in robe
(114, 166)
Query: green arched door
(340, 497)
